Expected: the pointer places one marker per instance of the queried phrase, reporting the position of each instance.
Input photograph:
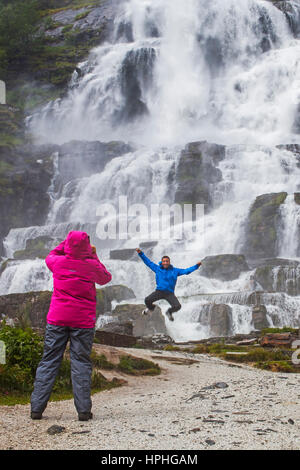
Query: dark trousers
(163, 294)
(56, 338)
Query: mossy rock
(225, 267)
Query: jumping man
(166, 278)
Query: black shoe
(35, 415)
(169, 315)
(85, 416)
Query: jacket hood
(169, 267)
(77, 245)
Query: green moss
(81, 15)
(285, 329)
(171, 347)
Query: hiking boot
(85, 416)
(169, 315)
(35, 415)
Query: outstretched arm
(188, 270)
(54, 255)
(147, 261)
(97, 271)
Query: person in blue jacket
(166, 278)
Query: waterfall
(225, 72)
(176, 72)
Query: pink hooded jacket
(75, 270)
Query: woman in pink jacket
(72, 316)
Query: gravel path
(174, 411)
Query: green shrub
(137, 366)
(24, 347)
(101, 361)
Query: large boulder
(259, 317)
(218, 317)
(224, 267)
(197, 171)
(143, 325)
(262, 225)
(107, 294)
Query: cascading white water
(203, 75)
(223, 71)
(290, 215)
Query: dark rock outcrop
(197, 171)
(107, 294)
(224, 267)
(115, 339)
(292, 13)
(25, 175)
(135, 77)
(218, 317)
(262, 226)
(279, 275)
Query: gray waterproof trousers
(56, 338)
(163, 294)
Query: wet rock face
(218, 317)
(89, 20)
(262, 225)
(38, 247)
(197, 171)
(280, 276)
(292, 13)
(25, 175)
(83, 158)
(223, 267)
(136, 75)
(30, 308)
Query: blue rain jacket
(166, 278)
